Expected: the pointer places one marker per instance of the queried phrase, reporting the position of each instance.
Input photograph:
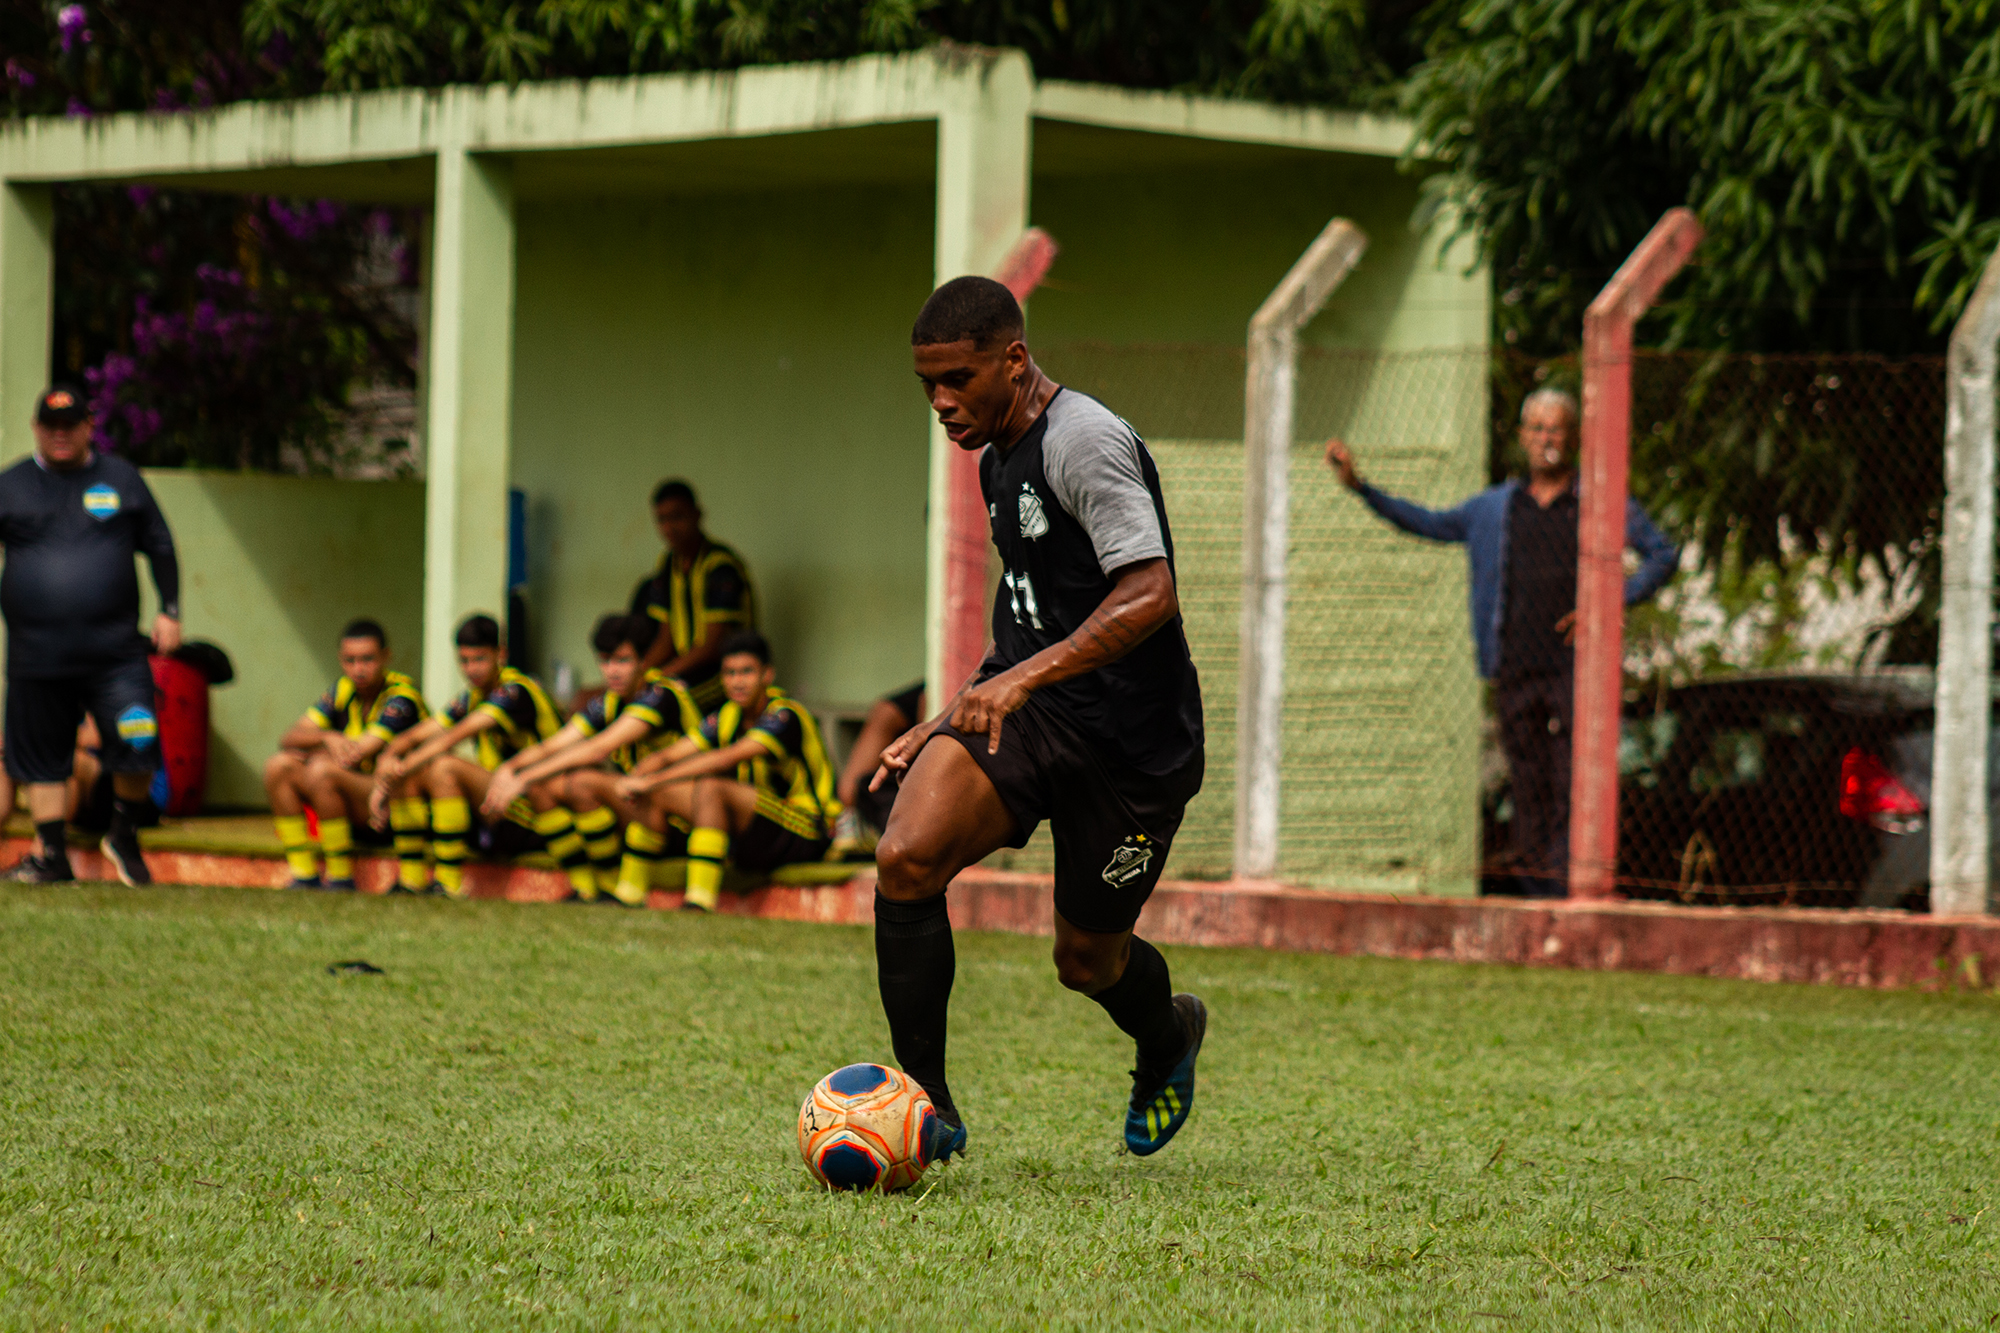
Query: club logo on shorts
(137, 727)
(1129, 861)
(101, 501)
(1034, 522)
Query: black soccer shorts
(1112, 825)
(43, 715)
(772, 840)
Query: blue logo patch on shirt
(101, 501)
(137, 727)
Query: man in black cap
(71, 520)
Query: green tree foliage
(1838, 152)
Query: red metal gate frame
(1600, 566)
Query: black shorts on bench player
(71, 520)
(755, 782)
(1086, 713)
(638, 714)
(502, 712)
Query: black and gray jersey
(1076, 499)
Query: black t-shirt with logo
(1074, 500)
(69, 590)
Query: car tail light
(1872, 794)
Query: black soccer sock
(55, 840)
(1141, 1003)
(121, 816)
(915, 965)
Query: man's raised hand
(1341, 460)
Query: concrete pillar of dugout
(468, 393)
(27, 308)
(983, 146)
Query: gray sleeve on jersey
(1093, 466)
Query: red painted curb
(1844, 948)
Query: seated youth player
(755, 772)
(502, 711)
(580, 765)
(328, 760)
(700, 596)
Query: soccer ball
(866, 1127)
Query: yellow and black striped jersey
(668, 709)
(395, 708)
(796, 771)
(521, 707)
(713, 590)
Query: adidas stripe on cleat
(1160, 1108)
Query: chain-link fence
(1774, 748)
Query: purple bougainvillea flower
(19, 73)
(74, 26)
(77, 109)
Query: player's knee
(903, 872)
(1081, 969)
(282, 770)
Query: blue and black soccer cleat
(1161, 1106)
(300, 882)
(944, 1140)
(338, 886)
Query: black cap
(61, 405)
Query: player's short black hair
(674, 489)
(746, 641)
(978, 309)
(364, 628)
(616, 630)
(480, 631)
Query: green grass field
(584, 1117)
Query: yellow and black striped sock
(336, 839)
(301, 852)
(565, 845)
(708, 848)
(643, 849)
(410, 821)
(599, 828)
(451, 819)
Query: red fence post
(1600, 566)
(967, 540)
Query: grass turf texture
(572, 1116)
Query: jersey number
(1021, 597)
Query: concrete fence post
(1268, 402)
(27, 309)
(1959, 869)
(1600, 564)
(983, 150)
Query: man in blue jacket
(1521, 542)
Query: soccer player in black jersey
(502, 711)
(327, 762)
(638, 714)
(1086, 713)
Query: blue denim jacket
(1481, 523)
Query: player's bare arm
(443, 742)
(695, 765)
(900, 753)
(1142, 599)
(567, 750)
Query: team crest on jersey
(1129, 861)
(137, 727)
(101, 501)
(1034, 521)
